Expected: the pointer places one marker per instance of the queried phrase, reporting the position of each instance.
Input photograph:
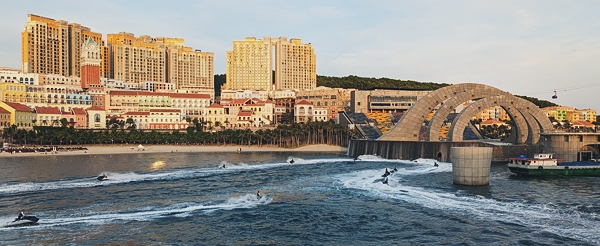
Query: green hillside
(364, 83)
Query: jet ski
(223, 167)
(26, 220)
(387, 173)
(102, 178)
(292, 161)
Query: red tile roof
(4, 111)
(189, 95)
(124, 93)
(304, 102)
(18, 107)
(137, 113)
(166, 110)
(245, 113)
(47, 110)
(583, 123)
(157, 94)
(215, 105)
(97, 108)
(79, 111)
(239, 101)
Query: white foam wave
(563, 221)
(247, 201)
(120, 178)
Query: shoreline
(134, 149)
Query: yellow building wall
(19, 118)
(13, 92)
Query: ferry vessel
(547, 165)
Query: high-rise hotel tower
(251, 62)
(159, 59)
(54, 46)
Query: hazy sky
(524, 47)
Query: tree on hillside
(538, 102)
(220, 80)
(363, 83)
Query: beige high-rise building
(190, 69)
(249, 65)
(251, 62)
(137, 59)
(53, 46)
(160, 59)
(296, 65)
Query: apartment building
(160, 59)
(304, 112)
(296, 65)
(16, 76)
(53, 46)
(191, 105)
(48, 116)
(13, 92)
(249, 65)
(251, 62)
(190, 69)
(333, 99)
(96, 117)
(382, 100)
(562, 113)
(4, 117)
(20, 114)
(216, 113)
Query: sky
(529, 48)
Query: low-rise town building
(20, 115)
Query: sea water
(320, 199)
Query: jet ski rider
(21, 215)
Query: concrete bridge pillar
(471, 165)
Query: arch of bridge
(505, 101)
(409, 126)
(449, 105)
(517, 108)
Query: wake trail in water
(121, 178)
(181, 210)
(565, 221)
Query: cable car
(554, 97)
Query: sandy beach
(132, 149)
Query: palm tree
(64, 122)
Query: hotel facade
(251, 62)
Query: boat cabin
(543, 156)
(546, 159)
